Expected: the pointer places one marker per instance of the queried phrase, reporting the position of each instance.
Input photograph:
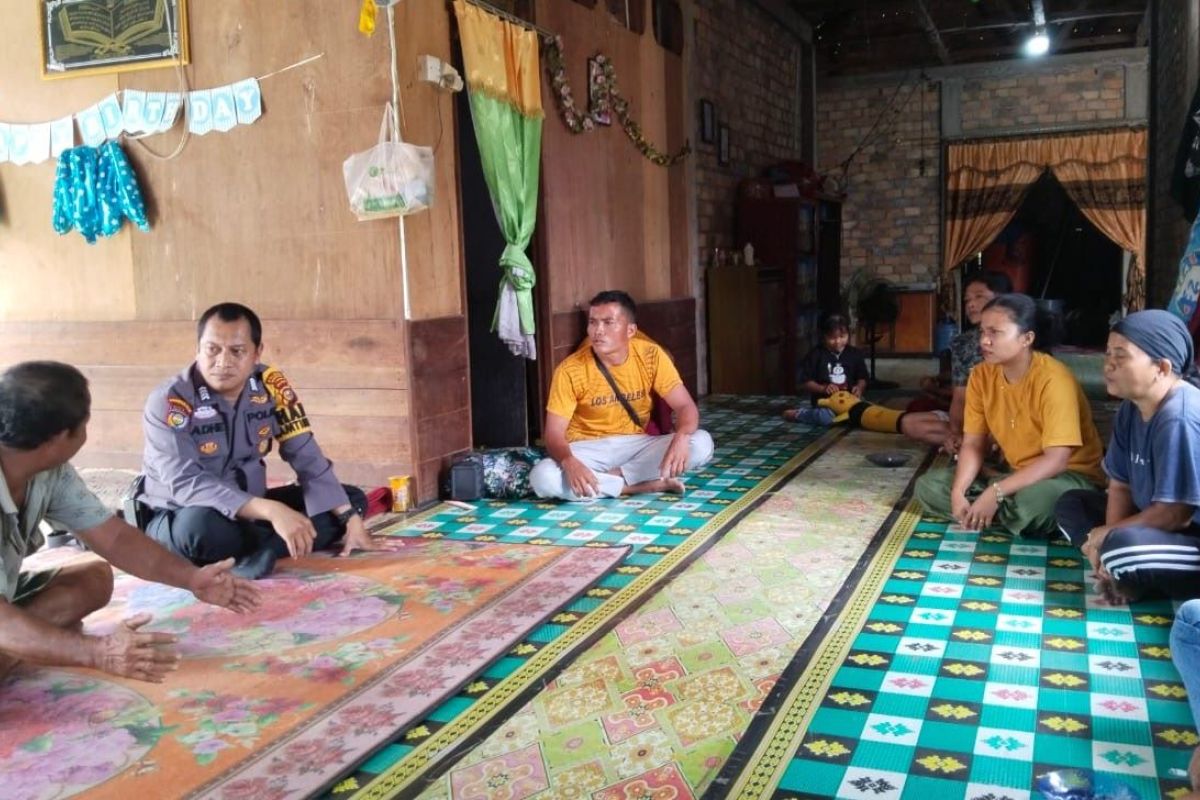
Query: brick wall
(1173, 70)
(889, 220)
(892, 214)
(747, 65)
(1069, 97)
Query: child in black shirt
(832, 366)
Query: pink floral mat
(343, 654)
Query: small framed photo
(723, 145)
(599, 107)
(708, 122)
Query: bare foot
(791, 414)
(673, 486)
(1110, 593)
(659, 486)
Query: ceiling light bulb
(1038, 45)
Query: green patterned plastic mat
(755, 451)
(983, 663)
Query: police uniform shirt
(200, 451)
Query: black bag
(501, 474)
(466, 480)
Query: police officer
(207, 431)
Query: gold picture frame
(97, 37)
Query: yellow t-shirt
(1046, 408)
(579, 392)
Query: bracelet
(1000, 495)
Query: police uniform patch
(264, 446)
(264, 431)
(178, 412)
(259, 399)
(204, 412)
(208, 448)
(289, 412)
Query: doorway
(500, 403)
(1052, 252)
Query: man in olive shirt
(44, 410)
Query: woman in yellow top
(1032, 407)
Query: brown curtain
(985, 183)
(1103, 172)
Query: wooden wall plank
(433, 239)
(652, 110)
(338, 343)
(360, 403)
(682, 256)
(259, 214)
(592, 182)
(441, 398)
(611, 219)
(44, 274)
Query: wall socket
(429, 69)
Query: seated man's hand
(294, 528)
(675, 460)
(129, 653)
(583, 481)
(952, 444)
(214, 585)
(831, 389)
(356, 537)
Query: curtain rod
(513, 18)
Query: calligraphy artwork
(96, 36)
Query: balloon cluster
(95, 190)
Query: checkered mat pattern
(983, 663)
(756, 449)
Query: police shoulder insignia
(279, 387)
(179, 411)
(289, 412)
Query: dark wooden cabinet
(797, 275)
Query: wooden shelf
(797, 250)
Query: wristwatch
(345, 516)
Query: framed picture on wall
(708, 122)
(723, 145)
(88, 37)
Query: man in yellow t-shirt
(595, 446)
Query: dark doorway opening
(1052, 252)
(500, 406)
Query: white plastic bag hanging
(391, 179)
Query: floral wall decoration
(604, 100)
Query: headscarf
(1160, 334)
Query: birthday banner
(143, 113)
